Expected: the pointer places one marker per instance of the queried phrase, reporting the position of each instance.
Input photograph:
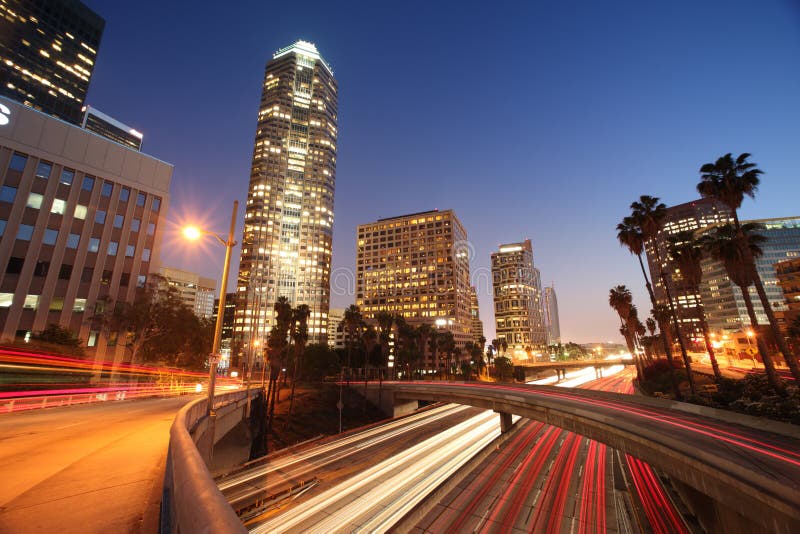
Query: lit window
(88, 183)
(43, 170)
(79, 305)
(67, 175)
(8, 194)
(94, 244)
(31, 302)
(18, 162)
(25, 232)
(57, 304)
(50, 236)
(59, 206)
(6, 299)
(92, 340)
(140, 281)
(80, 212)
(34, 200)
(108, 187)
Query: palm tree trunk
(664, 339)
(788, 355)
(291, 395)
(769, 365)
(709, 347)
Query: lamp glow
(192, 232)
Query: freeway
(88, 468)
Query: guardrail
(190, 500)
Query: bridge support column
(505, 422)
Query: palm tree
(385, 321)
(299, 335)
(648, 213)
(630, 235)
(352, 321)
(447, 345)
(277, 343)
(727, 244)
(423, 335)
(728, 181)
(687, 253)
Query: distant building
(100, 123)
(723, 301)
(80, 226)
(788, 273)
(194, 290)
(689, 216)
(518, 299)
(288, 225)
(227, 316)
(335, 330)
(48, 50)
(550, 310)
(416, 266)
(475, 317)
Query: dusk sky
(539, 120)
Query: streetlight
(193, 233)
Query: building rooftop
(304, 48)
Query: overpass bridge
(741, 473)
(529, 371)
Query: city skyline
(596, 122)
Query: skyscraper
(475, 316)
(47, 54)
(416, 266)
(550, 310)
(517, 298)
(286, 249)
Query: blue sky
(539, 119)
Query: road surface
(89, 468)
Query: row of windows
(45, 169)
(41, 269)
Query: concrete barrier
(190, 501)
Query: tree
(621, 300)
(727, 244)
(649, 214)
(687, 253)
(729, 181)
(319, 361)
(424, 332)
(277, 344)
(504, 369)
(352, 323)
(385, 321)
(299, 335)
(55, 334)
(447, 345)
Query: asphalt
(85, 469)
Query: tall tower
(518, 299)
(550, 309)
(286, 249)
(47, 54)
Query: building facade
(724, 303)
(80, 220)
(690, 216)
(286, 249)
(788, 273)
(550, 310)
(335, 329)
(47, 54)
(518, 299)
(417, 266)
(475, 317)
(98, 122)
(196, 291)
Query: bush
(753, 395)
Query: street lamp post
(213, 360)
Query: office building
(475, 317)
(80, 226)
(227, 315)
(518, 299)
(417, 266)
(98, 122)
(196, 291)
(788, 273)
(550, 310)
(689, 216)
(47, 54)
(723, 301)
(286, 250)
(335, 328)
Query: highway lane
(88, 468)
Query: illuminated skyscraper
(286, 250)
(518, 298)
(550, 310)
(475, 316)
(47, 54)
(416, 266)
